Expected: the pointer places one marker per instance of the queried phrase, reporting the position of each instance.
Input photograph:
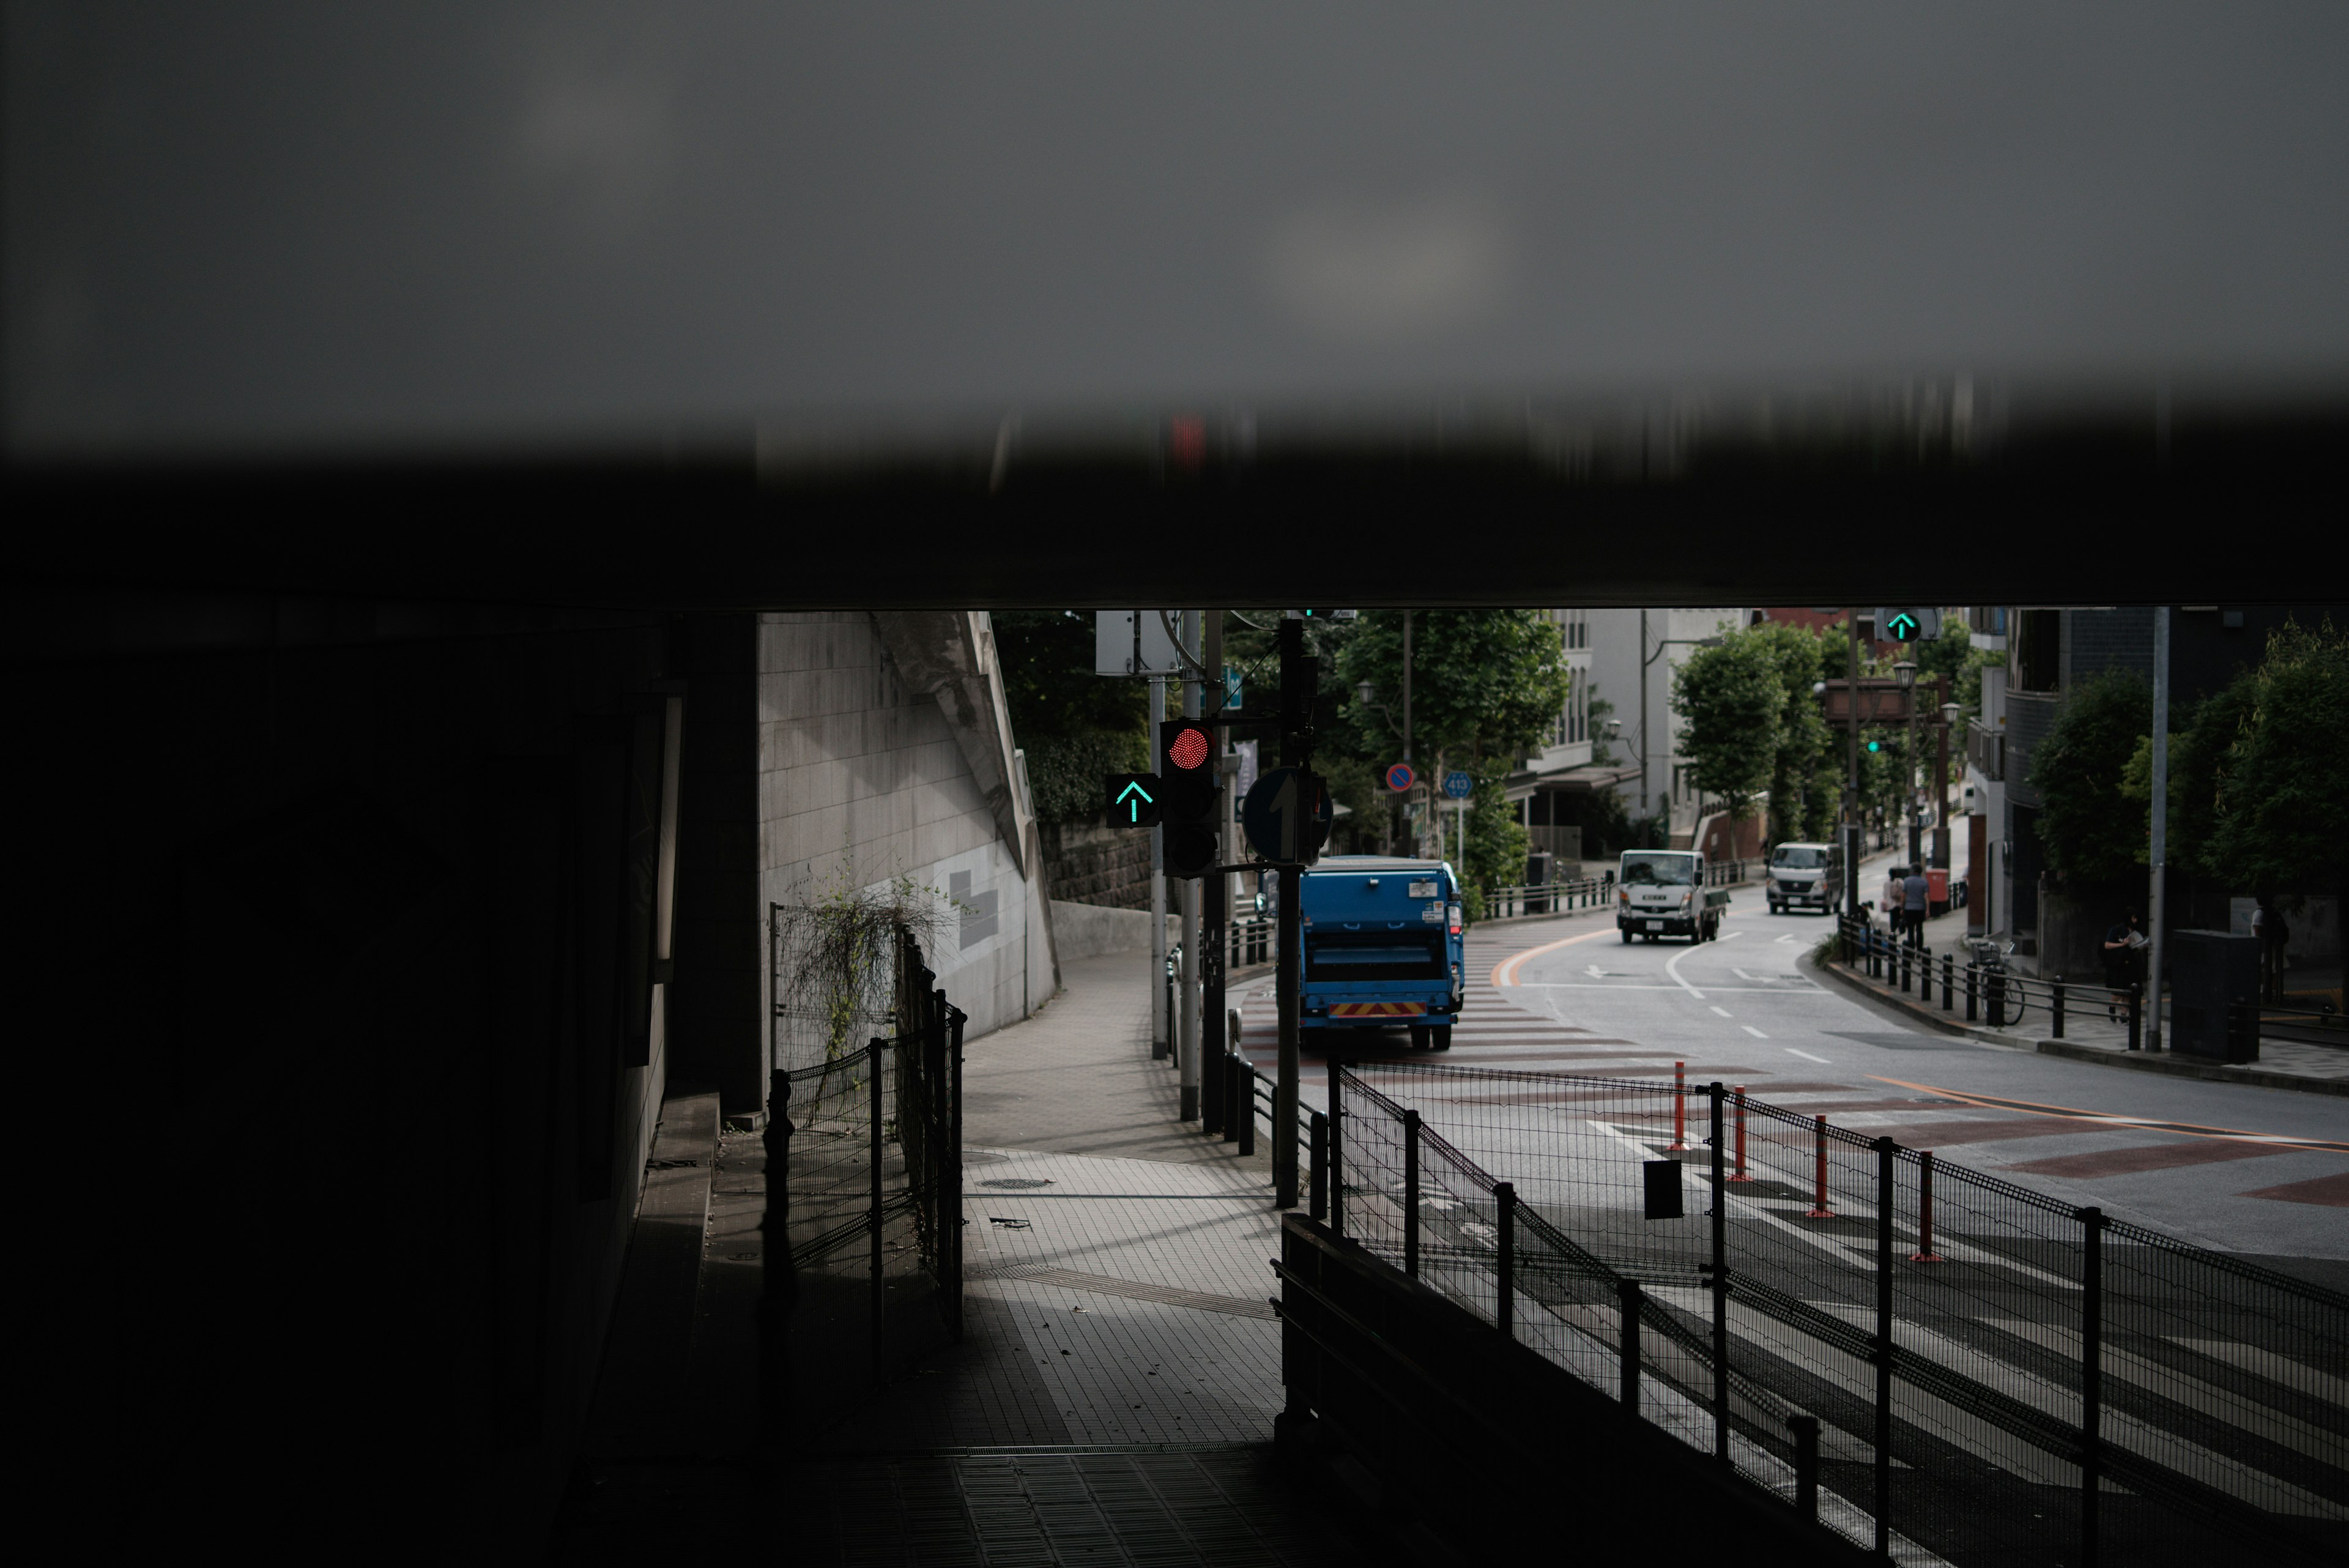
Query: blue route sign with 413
(1458, 784)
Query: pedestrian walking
(1894, 897)
(2268, 925)
(2124, 949)
(1915, 894)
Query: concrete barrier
(1088, 931)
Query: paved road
(2242, 1169)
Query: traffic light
(1133, 799)
(1874, 745)
(1186, 796)
(1896, 624)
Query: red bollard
(1741, 1175)
(1924, 1252)
(1680, 1108)
(1819, 1210)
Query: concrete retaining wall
(1088, 931)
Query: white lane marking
(1807, 1057)
(1753, 1031)
(1731, 936)
(1674, 969)
(1595, 973)
(1723, 1011)
(1788, 938)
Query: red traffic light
(1188, 747)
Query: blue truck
(1382, 948)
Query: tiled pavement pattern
(1225, 1506)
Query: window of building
(2039, 650)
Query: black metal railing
(1557, 897)
(863, 1176)
(1992, 993)
(1995, 1375)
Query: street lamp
(1905, 672)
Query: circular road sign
(1401, 777)
(1287, 816)
(1458, 784)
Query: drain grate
(1020, 1183)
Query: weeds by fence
(1997, 1377)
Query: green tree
(2283, 782)
(1487, 686)
(2091, 842)
(1073, 724)
(1732, 704)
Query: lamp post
(1950, 712)
(1905, 671)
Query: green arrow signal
(1902, 625)
(1133, 808)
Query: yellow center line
(1505, 971)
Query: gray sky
(261, 222)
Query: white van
(1805, 876)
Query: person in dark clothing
(1916, 899)
(2124, 947)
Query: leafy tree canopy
(1731, 703)
(2090, 840)
(1048, 681)
(2283, 782)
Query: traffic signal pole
(1186, 1059)
(1214, 889)
(1851, 770)
(1158, 1029)
(1296, 752)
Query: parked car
(1805, 876)
(1663, 893)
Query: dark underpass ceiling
(1937, 491)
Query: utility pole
(1297, 684)
(1186, 1056)
(1647, 800)
(1406, 722)
(1158, 1021)
(2159, 853)
(1941, 778)
(1851, 767)
(1214, 889)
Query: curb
(2138, 1062)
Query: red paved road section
(1942, 1135)
(2146, 1156)
(2332, 1191)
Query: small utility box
(1663, 1189)
(2211, 973)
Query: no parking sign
(1401, 777)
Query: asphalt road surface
(2253, 1171)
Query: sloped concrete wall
(863, 778)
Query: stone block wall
(1093, 863)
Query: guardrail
(1933, 1362)
(1548, 898)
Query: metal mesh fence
(1997, 1378)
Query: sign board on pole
(1231, 689)
(1401, 777)
(1154, 652)
(1134, 642)
(1458, 784)
(1112, 642)
(1287, 816)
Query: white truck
(1663, 893)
